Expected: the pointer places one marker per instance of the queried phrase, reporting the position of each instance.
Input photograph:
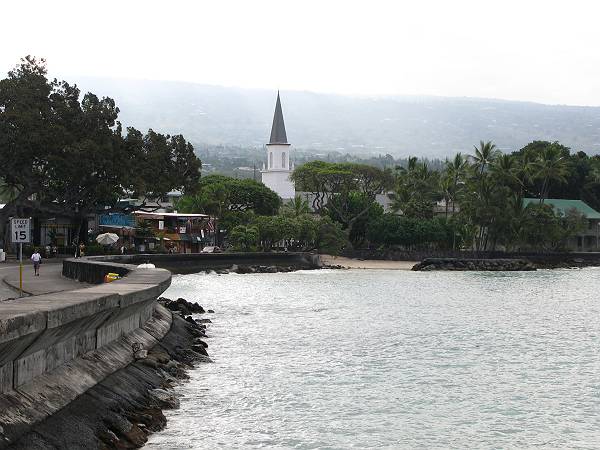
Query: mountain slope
(423, 126)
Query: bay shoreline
(352, 263)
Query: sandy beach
(367, 263)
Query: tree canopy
(336, 185)
(217, 194)
(66, 154)
(482, 196)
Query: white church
(276, 173)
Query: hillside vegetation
(400, 126)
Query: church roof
(278, 135)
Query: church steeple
(276, 173)
(278, 135)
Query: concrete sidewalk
(50, 279)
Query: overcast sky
(546, 51)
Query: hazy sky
(546, 51)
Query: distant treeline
(246, 162)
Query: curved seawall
(197, 262)
(68, 373)
(55, 347)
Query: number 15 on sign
(21, 233)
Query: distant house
(444, 208)
(384, 201)
(587, 240)
(180, 233)
(163, 204)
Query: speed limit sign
(20, 231)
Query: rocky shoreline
(502, 264)
(464, 264)
(570, 263)
(126, 407)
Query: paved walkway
(50, 279)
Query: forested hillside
(400, 126)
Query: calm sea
(393, 359)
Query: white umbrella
(107, 238)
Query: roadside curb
(15, 289)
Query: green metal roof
(563, 205)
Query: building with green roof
(563, 205)
(587, 240)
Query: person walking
(37, 260)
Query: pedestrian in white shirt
(37, 260)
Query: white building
(276, 173)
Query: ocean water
(393, 359)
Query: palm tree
(594, 175)
(504, 167)
(296, 207)
(416, 184)
(485, 154)
(550, 166)
(400, 197)
(412, 163)
(518, 216)
(457, 171)
(455, 174)
(507, 170)
(409, 169)
(445, 186)
(524, 171)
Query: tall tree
(334, 185)
(484, 155)
(66, 156)
(551, 166)
(456, 171)
(28, 139)
(216, 194)
(416, 189)
(160, 163)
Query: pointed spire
(278, 135)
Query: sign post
(20, 233)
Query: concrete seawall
(197, 262)
(54, 347)
(64, 351)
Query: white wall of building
(276, 175)
(278, 157)
(279, 181)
